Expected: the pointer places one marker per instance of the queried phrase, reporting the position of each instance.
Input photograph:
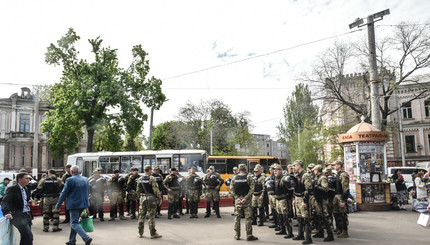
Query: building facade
(268, 147)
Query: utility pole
(374, 81)
(151, 129)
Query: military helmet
(121, 181)
(242, 166)
(197, 181)
(337, 162)
(311, 165)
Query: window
(13, 156)
(427, 107)
(24, 123)
(410, 143)
(22, 155)
(407, 110)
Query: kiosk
(365, 161)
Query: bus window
(231, 163)
(125, 165)
(164, 164)
(265, 165)
(252, 166)
(109, 164)
(184, 161)
(136, 162)
(149, 160)
(90, 166)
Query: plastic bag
(424, 220)
(87, 224)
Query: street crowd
(313, 199)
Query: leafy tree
(169, 135)
(88, 90)
(300, 127)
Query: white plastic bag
(424, 220)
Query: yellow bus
(224, 164)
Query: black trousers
(22, 221)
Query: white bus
(123, 161)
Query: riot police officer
(340, 209)
(115, 186)
(242, 188)
(194, 190)
(132, 195)
(150, 196)
(171, 182)
(159, 179)
(50, 188)
(302, 194)
(282, 194)
(257, 197)
(321, 197)
(97, 187)
(213, 183)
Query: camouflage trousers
(322, 210)
(132, 195)
(116, 203)
(147, 209)
(193, 195)
(337, 209)
(246, 210)
(48, 209)
(173, 197)
(272, 202)
(256, 202)
(284, 206)
(212, 195)
(301, 211)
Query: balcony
(21, 135)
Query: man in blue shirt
(76, 190)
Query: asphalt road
(366, 228)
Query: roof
(363, 127)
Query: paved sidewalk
(366, 228)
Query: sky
(248, 54)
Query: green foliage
(194, 126)
(301, 127)
(88, 90)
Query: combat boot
(121, 217)
(261, 214)
(300, 236)
(111, 219)
(329, 232)
(254, 216)
(344, 234)
(282, 224)
(289, 228)
(208, 209)
(252, 238)
(308, 232)
(156, 235)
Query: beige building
(409, 127)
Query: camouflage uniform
(321, 198)
(172, 182)
(282, 195)
(132, 195)
(159, 179)
(150, 196)
(213, 183)
(50, 187)
(301, 197)
(194, 190)
(258, 199)
(242, 187)
(97, 186)
(114, 186)
(342, 193)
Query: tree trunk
(90, 140)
